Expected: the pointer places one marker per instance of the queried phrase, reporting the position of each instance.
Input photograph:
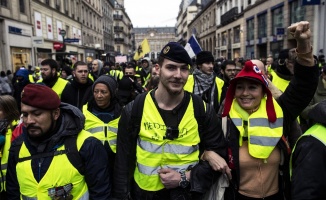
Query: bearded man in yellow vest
(49, 73)
(204, 82)
(55, 158)
(161, 158)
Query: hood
(73, 120)
(318, 113)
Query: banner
(120, 59)
(49, 27)
(143, 49)
(38, 24)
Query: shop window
(297, 12)
(277, 19)
(250, 29)
(262, 25)
(3, 3)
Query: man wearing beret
(159, 158)
(49, 72)
(55, 158)
(204, 82)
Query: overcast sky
(150, 13)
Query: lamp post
(63, 34)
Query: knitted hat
(109, 81)
(252, 72)
(175, 52)
(204, 56)
(34, 95)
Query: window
(66, 6)
(277, 19)
(3, 3)
(57, 4)
(236, 35)
(297, 12)
(22, 6)
(250, 29)
(262, 25)
(47, 2)
(224, 38)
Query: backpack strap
(73, 154)
(137, 112)
(200, 112)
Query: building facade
(108, 37)
(123, 30)
(92, 29)
(16, 49)
(157, 38)
(253, 28)
(57, 30)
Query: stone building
(157, 38)
(16, 49)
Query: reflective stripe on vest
(153, 170)
(100, 130)
(154, 152)
(59, 86)
(263, 135)
(190, 84)
(317, 131)
(4, 158)
(60, 173)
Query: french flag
(193, 47)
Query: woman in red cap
(257, 125)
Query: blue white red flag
(193, 47)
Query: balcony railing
(118, 28)
(119, 40)
(117, 17)
(229, 16)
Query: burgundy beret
(40, 96)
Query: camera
(171, 133)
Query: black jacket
(77, 94)
(92, 153)
(295, 98)
(202, 175)
(309, 163)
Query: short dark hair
(160, 60)
(79, 63)
(52, 63)
(227, 62)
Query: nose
(177, 73)
(29, 120)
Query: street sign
(70, 40)
(62, 33)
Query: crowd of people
(172, 128)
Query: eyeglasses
(82, 71)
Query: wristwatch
(184, 181)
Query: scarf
(204, 84)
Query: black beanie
(109, 81)
(204, 56)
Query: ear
(56, 114)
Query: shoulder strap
(16, 147)
(73, 154)
(137, 112)
(200, 112)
